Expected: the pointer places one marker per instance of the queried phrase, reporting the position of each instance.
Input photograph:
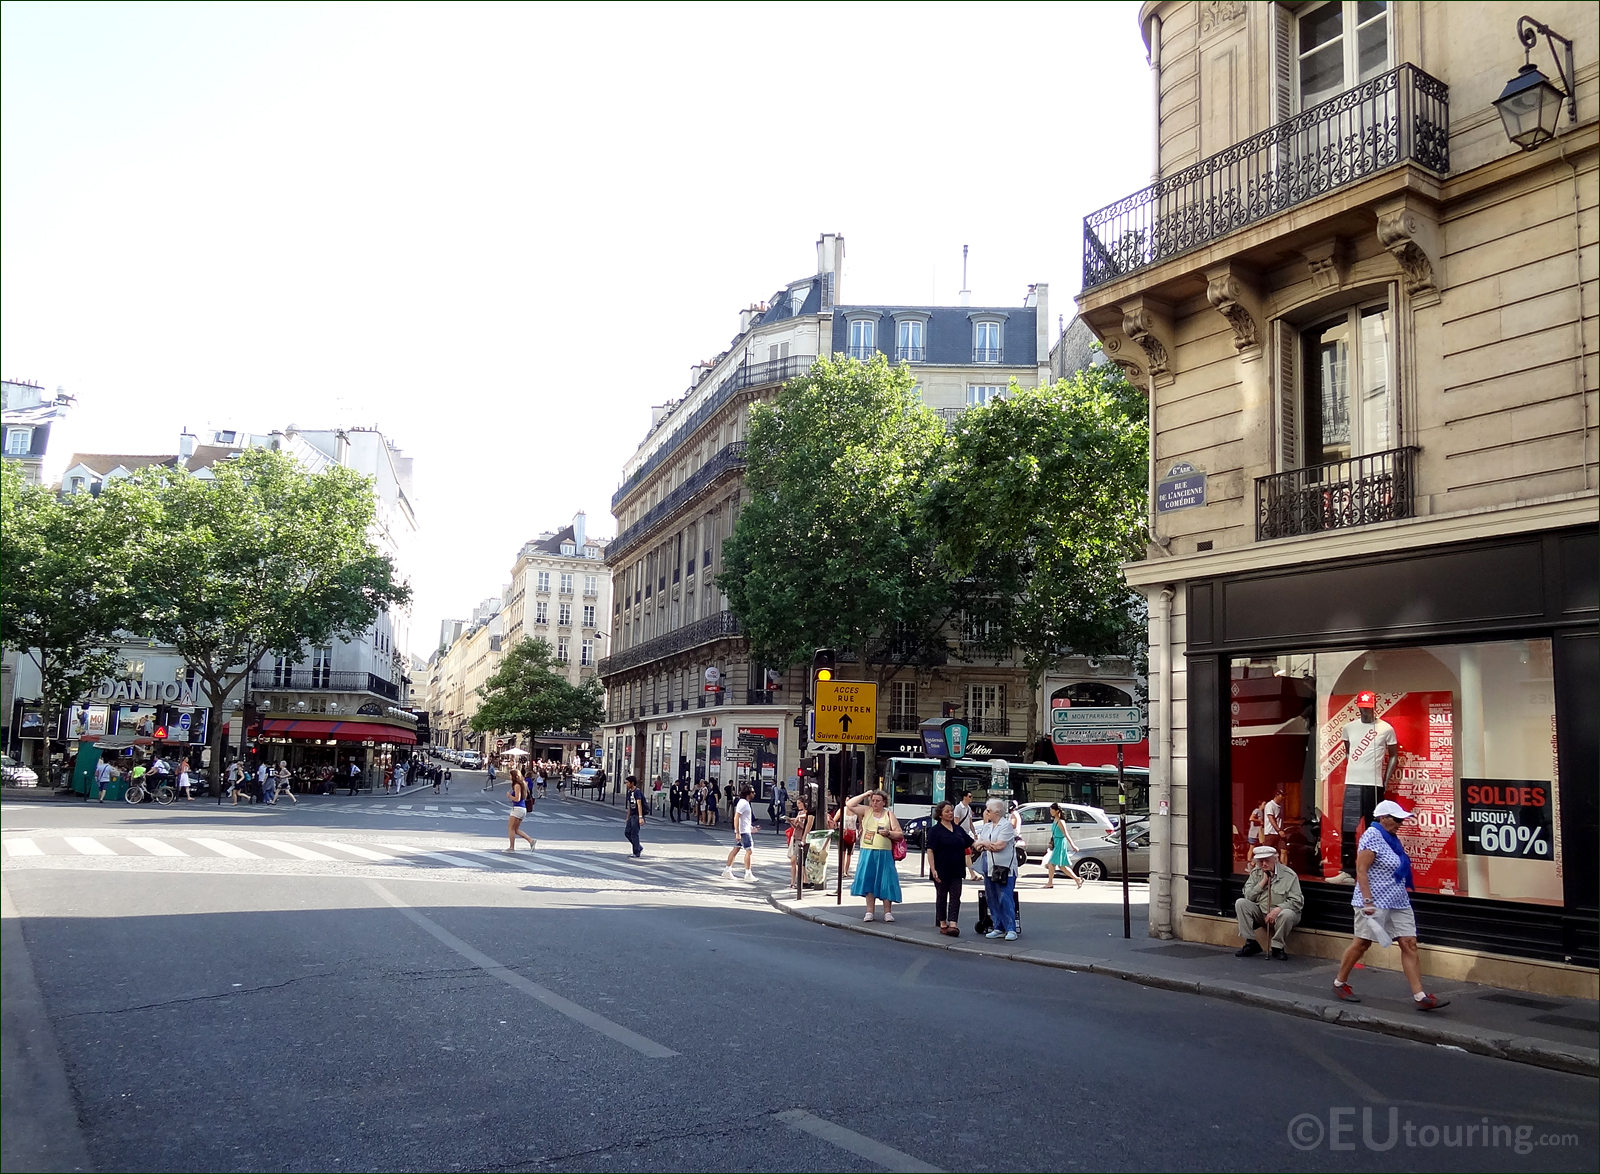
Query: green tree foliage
(1041, 497)
(828, 550)
(262, 558)
(64, 582)
(529, 694)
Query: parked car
(589, 776)
(1103, 858)
(1088, 825)
(15, 774)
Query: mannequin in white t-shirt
(1371, 752)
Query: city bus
(910, 783)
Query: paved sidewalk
(1074, 929)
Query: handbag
(999, 874)
(899, 849)
(849, 837)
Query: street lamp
(1530, 105)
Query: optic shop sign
(1506, 817)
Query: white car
(15, 774)
(471, 760)
(1087, 826)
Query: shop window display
(1462, 735)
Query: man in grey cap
(1272, 901)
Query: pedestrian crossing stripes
(657, 870)
(483, 811)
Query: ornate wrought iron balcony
(731, 457)
(714, 627)
(1336, 494)
(322, 681)
(1399, 117)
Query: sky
(499, 233)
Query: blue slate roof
(947, 338)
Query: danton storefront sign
(150, 692)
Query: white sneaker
(748, 875)
(993, 933)
(727, 873)
(1012, 936)
(1344, 878)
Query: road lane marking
(914, 971)
(223, 848)
(848, 1139)
(21, 846)
(88, 846)
(295, 850)
(156, 847)
(430, 807)
(355, 850)
(582, 1015)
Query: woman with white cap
(1382, 902)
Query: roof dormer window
(568, 548)
(863, 336)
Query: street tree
(529, 694)
(64, 583)
(829, 548)
(261, 558)
(1041, 497)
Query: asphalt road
(356, 984)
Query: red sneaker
(1346, 993)
(1430, 1003)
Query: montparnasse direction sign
(1095, 715)
(847, 711)
(1096, 725)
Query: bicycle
(162, 793)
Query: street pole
(1122, 837)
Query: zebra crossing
(480, 811)
(570, 864)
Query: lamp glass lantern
(1530, 107)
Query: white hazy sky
(501, 232)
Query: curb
(1520, 1049)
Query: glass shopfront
(1465, 738)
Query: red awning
(342, 731)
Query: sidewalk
(1073, 929)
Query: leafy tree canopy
(529, 694)
(827, 549)
(65, 565)
(1041, 498)
(262, 558)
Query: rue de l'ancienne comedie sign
(1183, 488)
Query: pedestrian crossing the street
(565, 865)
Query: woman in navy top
(948, 841)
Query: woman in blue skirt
(1060, 848)
(876, 878)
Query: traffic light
(159, 733)
(822, 664)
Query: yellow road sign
(847, 711)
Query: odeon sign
(168, 692)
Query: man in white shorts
(743, 834)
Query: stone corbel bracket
(1148, 323)
(1409, 229)
(1326, 260)
(1118, 348)
(1232, 292)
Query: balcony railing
(911, 354)
(1336, 494)
(316, 681)
(704, 631)
(988, 354)
(731, 457)
(743, 376)
(762, 697)
(1401, 116)
(865, 353)
(899, 723)
(989, 725)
